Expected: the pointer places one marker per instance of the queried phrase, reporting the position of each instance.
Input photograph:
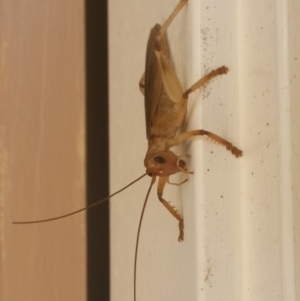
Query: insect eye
(160, 160)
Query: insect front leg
(234, 150)
(177, 184)
(172, 209)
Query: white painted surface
(241, 215)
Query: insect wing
(153, 82)
(163, 91)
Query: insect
(165, 110)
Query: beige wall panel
(42, 138)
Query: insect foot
(181, 227)
(234, 150)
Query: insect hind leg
(174, 13)
(202, 81)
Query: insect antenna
(138, 236)
(82, 209)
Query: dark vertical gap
(97, 149)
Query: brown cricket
(165, 110)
